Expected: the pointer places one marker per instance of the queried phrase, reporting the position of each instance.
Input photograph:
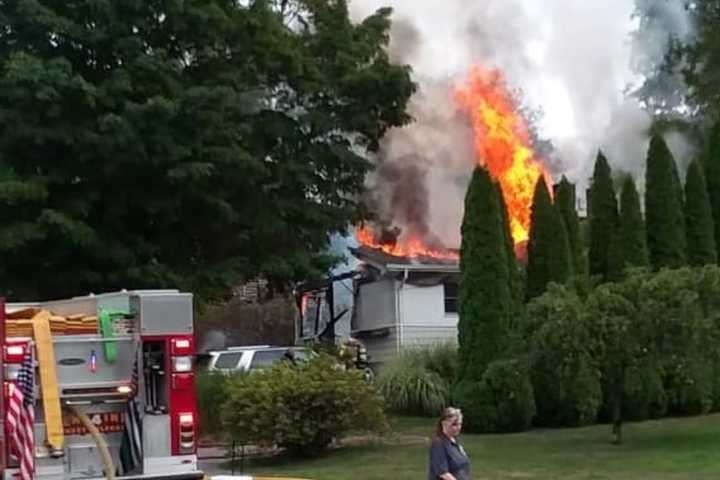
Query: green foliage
(632, 227)
(211, 388)
(635, 349)
(502, 401)
(615, 257)
(419, 381)
(564, 376)
(603, 217)
(644, 394)
(301, 408)
(158, 144)
(712, 175)
(516, 281)
(664, 208)
(700, 60)
(689, 384)
(548, 249)
(485, 295)
(565, 203)
(700, 229)
(441, 358)
(412, 389)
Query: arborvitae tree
(565, 203)
(633, 247)
(485, 297)
(603, 216)
(548, 249)
(516, 284)
(712, 175)
(615, 260)
(699, 225)
(663, 208)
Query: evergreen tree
(615, 260)
(516, 284)
(663, 208)
(699, 225)
(633, 247)
(485, 296)
(548, 249)
(712, 176)
(565, 202)
(603, 216)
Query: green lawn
(687, 448)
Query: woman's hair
(447, 413)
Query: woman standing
(448, 460)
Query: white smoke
(573, 60)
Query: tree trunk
(617, 419)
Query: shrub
(565, 379)
(563, 372)
(502, 401)
(644, 393)
(301, 408)
(211, 387)
(689, 386)
(418, 382)
(412, 389)
(441, 358)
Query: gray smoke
(572, 60)
(213, 340)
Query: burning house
(399, 298)
(405, 293)
(402, 302)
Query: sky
(572, 59)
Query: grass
(670, 449)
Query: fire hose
(99, 441)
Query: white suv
(246, 359)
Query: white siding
(376, 305)
(428, 335)
(423, 320)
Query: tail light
(15, 353)
(186, 430)
(182, 364)
(181, 346)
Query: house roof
(386, 261)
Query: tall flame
(502, 143)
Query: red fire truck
(114, 385)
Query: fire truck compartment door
(166, 314)
(81, 362)
(156, 436)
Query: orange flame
(411, 247)
(502, 143)
(304, 303)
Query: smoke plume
(573, 61)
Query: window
(450, 289)
(228, 360)
(265, 358)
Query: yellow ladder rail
(48, 381)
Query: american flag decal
(21, 418)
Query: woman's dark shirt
(447, 456)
